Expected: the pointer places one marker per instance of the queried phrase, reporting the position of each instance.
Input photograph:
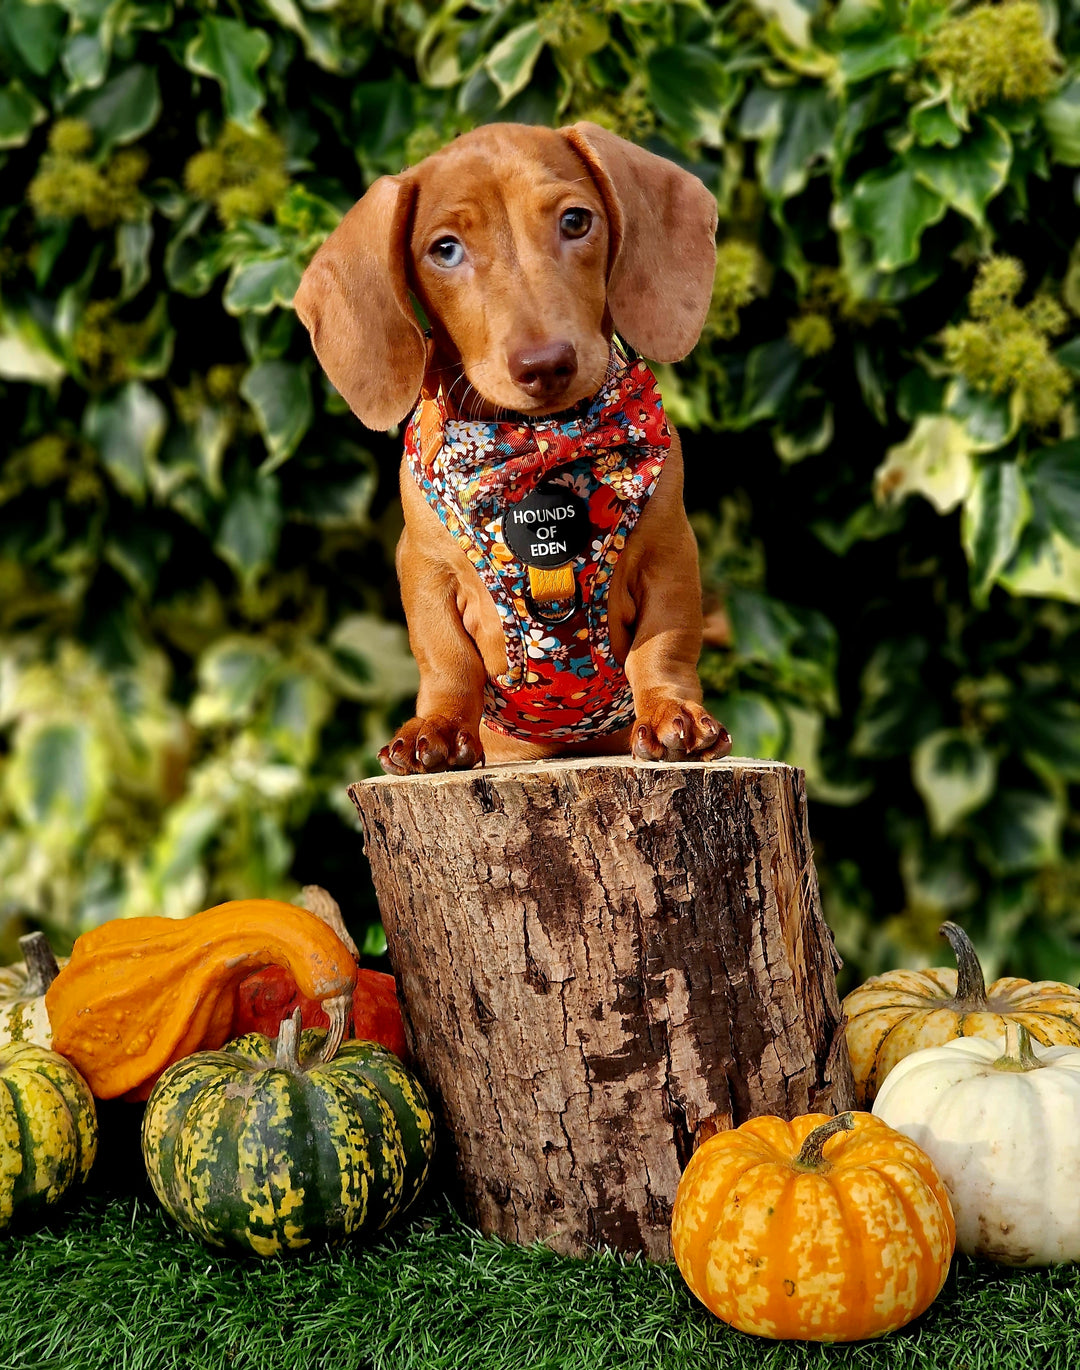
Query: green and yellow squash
(23, 1015)
(264, 1147)
(48, 1130)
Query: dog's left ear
(663, 232)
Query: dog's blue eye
(575, 223)
(447, 252)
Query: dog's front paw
(426, 745)
(676, 730)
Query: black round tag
(548, 527)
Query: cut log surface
(602, 962)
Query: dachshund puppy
(548, 571)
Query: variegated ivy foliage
(199, 636)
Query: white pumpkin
(1004, 1133)
(23, 1016)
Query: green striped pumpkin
(261, 1147)
(48, 1130)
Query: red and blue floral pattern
(562, 681)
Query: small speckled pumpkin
(827, 1229)
(48, 1130)
(263, 1147)
(902, 1011)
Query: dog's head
(525, 247)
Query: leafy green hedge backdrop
(200, 638)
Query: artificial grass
(113, 1283)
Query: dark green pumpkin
(48, 1130)
(261, 1147)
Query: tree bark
(602, 962)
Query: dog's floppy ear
(663, 230)
(353, 299)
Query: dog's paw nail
(397, 749)
(646, 746)
(392, 764)
(465, 750)
(720, 745)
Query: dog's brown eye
(446, 252)
(575, 223)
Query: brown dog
(527, 248)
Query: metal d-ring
(537, 612)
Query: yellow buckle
(545, 586)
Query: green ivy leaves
(20, 113)
(1021, 518)
(967, 176)
(511, 61)
(955, 774)
(692, 90)
(58, 780)
(995, 513)
(231, 53)
(121, 110)
(795, 128)
(127, 429)
(280, 394)
(257, 285)
(1061, 119)
(1053, 476)
(36, 32)
(893, 207)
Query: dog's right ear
(353, 299)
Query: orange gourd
(828, 1229)
(265, 999)
(141, 993)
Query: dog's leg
(444, 734)
(670, 722)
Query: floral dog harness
(542, 508)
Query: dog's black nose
(543, 370)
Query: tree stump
(601, 962)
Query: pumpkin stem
(810, 1157)
(288, 1044)
(337, 1010)
(970, 981)
(1019, 1053)
(327, 909)
(41, 966)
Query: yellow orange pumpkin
(902, 1011)
(828, 1229)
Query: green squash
(48, 1130)
(263, 1147)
